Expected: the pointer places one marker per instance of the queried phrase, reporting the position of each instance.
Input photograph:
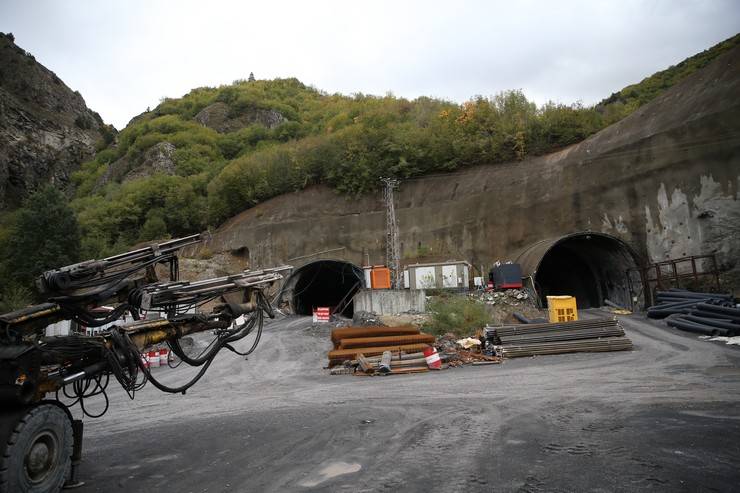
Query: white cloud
(125, 56)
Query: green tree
(45, 236)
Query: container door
(449, 276)
(425, 278)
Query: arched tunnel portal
(590, 266)
(323, 283)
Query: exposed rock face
(216, 116)
(46, 130)
(666, 180)
(157, 159)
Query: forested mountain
(193, 162)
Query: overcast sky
(124, 56)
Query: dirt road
(664, 417)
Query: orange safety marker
(321, 314)
(432, 357)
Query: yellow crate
(562, 308)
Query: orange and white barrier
(321, 314)
(432, 357)
(153, 359)
(163, 355)
(156, 358)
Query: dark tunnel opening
(325, 283)
(565, 271)
(590, 266)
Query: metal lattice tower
(392, 247)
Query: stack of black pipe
(703, 313)
(557, 338)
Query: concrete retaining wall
(390, 301)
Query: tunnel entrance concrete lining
(325, 283)
(590, 266)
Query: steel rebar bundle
(563, 347)
(565, 335)
(594, 335)
(494, 333)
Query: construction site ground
(664, 417)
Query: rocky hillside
(46, 130)
(665, 180)
(194, 162)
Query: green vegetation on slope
(281, 136)
(346, 142)
(624, 102)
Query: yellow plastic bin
(562, 308)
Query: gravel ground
(664, 417)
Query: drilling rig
(42, 377)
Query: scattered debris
(735, 341)
(468, 342)
(465, 357)
(616, 308)
(362, 318)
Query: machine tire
(37, 453)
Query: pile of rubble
(503, 306)
(513, 297)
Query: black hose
(679, 323)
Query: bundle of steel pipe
(370, 331)
(338, 356)
(562, 335)
(590, 335)
(495, 333)
(564, 347)
(363, 342)
(680, 301)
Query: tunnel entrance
(325, 283)
(590, 266)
